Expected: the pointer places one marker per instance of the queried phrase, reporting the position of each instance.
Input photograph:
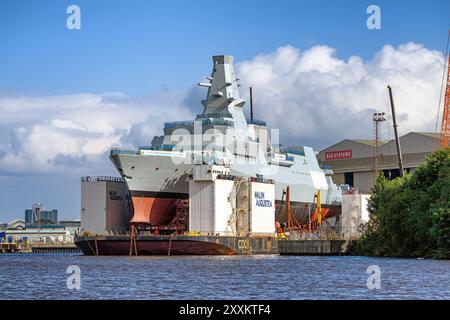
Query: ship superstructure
(158, 175)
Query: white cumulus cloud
(312, 96)
(76, 132)
(315, 98)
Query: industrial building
(41, 235)
(16, 224)
(17, 230)
(37, 214)
(353, 160)
(72, 226)
(105, 205)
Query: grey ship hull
(157, 181)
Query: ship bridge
(223, 110)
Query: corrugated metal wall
(363, 181)
(99, 212)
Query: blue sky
(134, 46)
(155, 49)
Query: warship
(158, 175)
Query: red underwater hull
(152, 210)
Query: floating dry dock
(176, 245)
(207, 245)
(224, 215)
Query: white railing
(101, 178)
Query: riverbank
(18, 247)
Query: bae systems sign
(339, 154)
(261, 200)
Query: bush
(410, 216)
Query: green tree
(410, 216)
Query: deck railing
(122, 151)
(101, 179)
(257, 122)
